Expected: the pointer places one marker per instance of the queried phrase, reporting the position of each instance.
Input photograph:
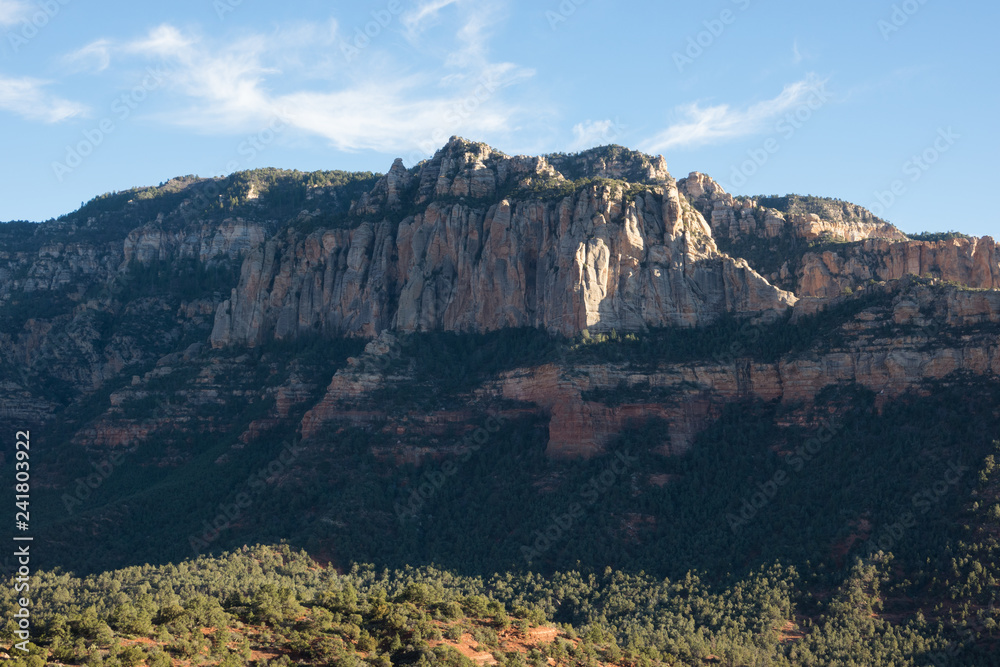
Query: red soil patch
(466, 645)
(265, 654)
(789, 633)
(145, 641)
(511, 640)
(541, 635)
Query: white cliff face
(475, 240)
(472, 259)
(744, 219)
(152, 242)
(866, 248)
(967, 261)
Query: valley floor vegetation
(273, 605)
(880, 549)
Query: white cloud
(95, 56)
(415, 21)
(596, 133)
(474, 35)
(241, 86)
(27, 98)
(13, 12)
(164, 41)
(715, 124)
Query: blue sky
(891, 105)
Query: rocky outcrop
(155, 242)
(72, 317)
(892, 349)
(688, 396)
(362, 376)
(967, 261)
(744, 219)
(470, 241)
(17, 405)
(852, 246)
(598, 258)
(120, 433)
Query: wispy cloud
(27, 98)
(13, 12)
(700, 125)
(95, 56)
(239, 86)
(225, 87)
(474, 35)
(164, 41)
(476, 17)
(417, 19)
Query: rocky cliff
(807, 218)
(184, 308)
(820, 248)
(894, 339)
(966, 261)
(488, 246)
(367, 364)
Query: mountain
(521, 365)
(605, 242)
(474, 240)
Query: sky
(891, 105)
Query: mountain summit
(372, 366)
(470, 241)
(474, 240)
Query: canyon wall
(472, 259)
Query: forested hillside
(552, 410)
(276, 606)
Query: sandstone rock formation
(231, 239)
(688, 396)
(470, 241)
(472, 258)
(745, 218)
(967, 261)
(863, 247)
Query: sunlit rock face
(474, 240)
